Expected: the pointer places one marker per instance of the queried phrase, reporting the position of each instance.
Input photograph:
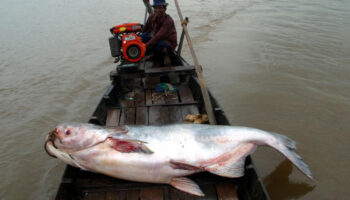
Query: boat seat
(165, 70)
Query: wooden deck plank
(141, 66)
(124, 103)
(172, 98)
(149, 97)
(127, 116)
(116, 195)
(109, 183)
(210, 192)
(166, 115)
(174, 115)
(132, 194)
(170, 114)
(165, 70)
(177, 194)
(155, 115)
(158, 98)
(185, 94)
(94, 196)
(152, 194)
(151, 82)
(140, 98)
(226, 191)
(148, 65)
(141, 116)
(175, 104)
(113, 116)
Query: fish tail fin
(286, 141)
(286, 146)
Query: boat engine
(126, 44)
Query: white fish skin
(165, 154)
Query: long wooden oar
(202, 84)
(148, 6)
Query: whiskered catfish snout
(52, 135)
(50, 140)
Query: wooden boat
(131, 99)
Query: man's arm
(148, 27)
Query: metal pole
(202, 84)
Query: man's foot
(148, 57)
(167, 60)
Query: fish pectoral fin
(231, 164)
(130, 146)
(186, 185)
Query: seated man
(159, 32)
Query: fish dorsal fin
(129, 146)
(231, 164)
(186, 185)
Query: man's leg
(145, 37)
(163, 47)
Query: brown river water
(277, 65)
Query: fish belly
(153, 168)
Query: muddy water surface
(279, 65)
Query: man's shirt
(163, 28)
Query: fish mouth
(50, 140)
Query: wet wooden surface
(162, 70)
(113, 116)
(226, 191)
(147, 107)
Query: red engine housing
(133, 47)
(130, 43)
(127, 28)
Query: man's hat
(159, 3)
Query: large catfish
(164, 154)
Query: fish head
(52, 150)
(73, 137)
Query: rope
(186, 21)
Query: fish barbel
(164, 154)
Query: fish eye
(68, 132)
